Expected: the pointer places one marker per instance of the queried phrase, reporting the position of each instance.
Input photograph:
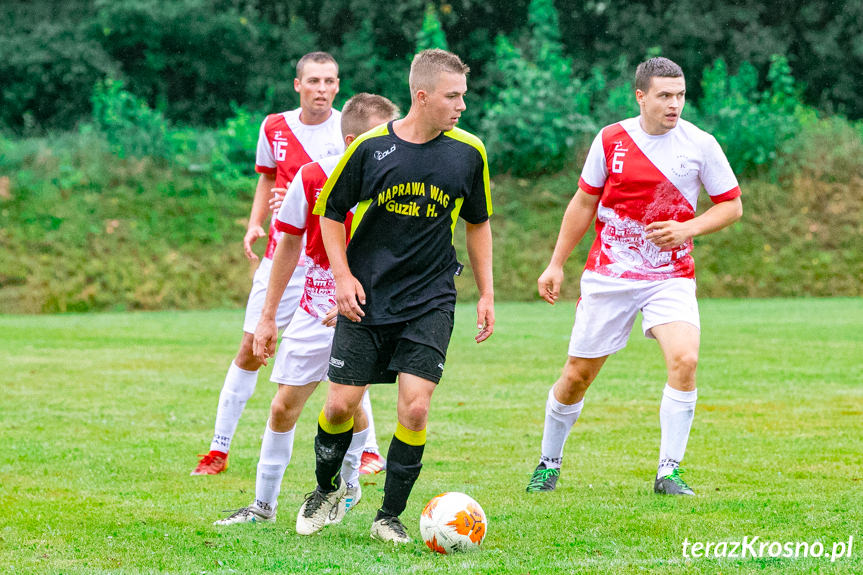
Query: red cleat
(212, 463)
(371, 462)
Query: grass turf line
(103, 414)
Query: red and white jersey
(285, 144)
(295, 217)
(642, 179)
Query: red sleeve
(288, 228)
(593, 191)
(729, 195)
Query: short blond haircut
(429, 64)
(361, 111)
(318, 58)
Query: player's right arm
(340, 194)
(349, 291)
(260, 210)
(284, 262)
(576, 220)
(266, 166)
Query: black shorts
(364, 354)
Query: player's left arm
(670, 234)
(479, 250)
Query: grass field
(101, 417)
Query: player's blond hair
(362, 110)
(318, 58)
(655, 68)
(429, 64)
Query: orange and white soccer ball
(452, 522)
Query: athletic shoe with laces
(353, 494)
(371, 462)
(391, 530)
(212, 463)
(672, 484)
(250, 514)
(321, 509)
(543, 479)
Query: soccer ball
(451, 522)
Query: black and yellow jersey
(408, 197)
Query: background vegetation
(128, 129)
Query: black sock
(330, 450)
(404, 463)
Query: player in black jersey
(410, 179)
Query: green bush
(191, 59)
(134, 130)
(234, 145)
(752, 126)
(610, 94)
(536, 114)
(431, 34)
(48, 73)
(131, 127)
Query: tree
(533, 121)
(431, 34)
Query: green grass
(101, 417)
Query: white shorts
(304, 352)
(608, 306)
(258, 294)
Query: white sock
(559, 419)
(351, 462)
(276, 449)
(676, 412)
(238, 388)
(371, 438)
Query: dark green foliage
(191, 59)
(820, 38)
(431, 35)
(372, 72)
(47, 75)
(752, 126)
(611, 93)
(132, 128)
(534, 119)
(235, 142)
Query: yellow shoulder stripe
(471, 140)
(321, 204)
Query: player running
(302, 358)
(286, 141)
(410, 180)
(641, 179)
